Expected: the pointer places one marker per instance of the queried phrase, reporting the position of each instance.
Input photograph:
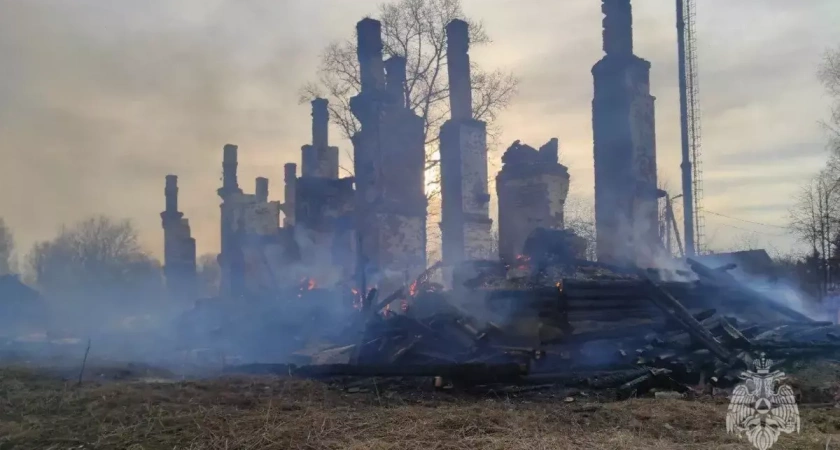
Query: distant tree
(209, 275)
(7, 248)
(829, 75)
(97, 256)
(815, 215)
(815, 218)
(414, 29)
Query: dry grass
(37, 412)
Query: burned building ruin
(316, 235)
(323, 204)
(252, 242)
(465, 202)
(389, 164)
(569, 323)
(371, 226)
(626, 194)
(179, 258)
(532, 188)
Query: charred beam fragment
(674, 310)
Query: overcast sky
(100, 99)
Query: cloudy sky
(100, 99)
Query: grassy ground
(41, 412)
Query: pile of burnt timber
(628, 330)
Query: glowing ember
(359, 298)
(412, 290)
(306, 284)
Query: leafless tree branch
(416, 30)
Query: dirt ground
(39, 411)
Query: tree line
(94, 258)
(815, 215)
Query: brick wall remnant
(250, 226)
(323, 217)
(230, 261)
(290, 193)
(532, 188)
(179, 252)
(624, 146)
(320, 206)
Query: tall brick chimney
(261, 189)
(395, 80)
(320, 123)
(229, 166)
(458, 59)
(371, 68)
(171, 193)
(290, 171)
(618, 27)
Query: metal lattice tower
(694, 128)
(692, 171)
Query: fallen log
(677, 312)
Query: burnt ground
(133, 409)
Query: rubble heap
(599, 327)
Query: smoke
(100, 100)
(764, 281)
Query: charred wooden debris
(592, 326)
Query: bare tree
(815, 217)
(95, 256)
(829, 75)
(7, 248)
(414, 29)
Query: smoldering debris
(596, 328)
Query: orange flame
(306, 284)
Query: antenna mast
(692, 172)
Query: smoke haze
(100, 100)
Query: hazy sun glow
(432, 175)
